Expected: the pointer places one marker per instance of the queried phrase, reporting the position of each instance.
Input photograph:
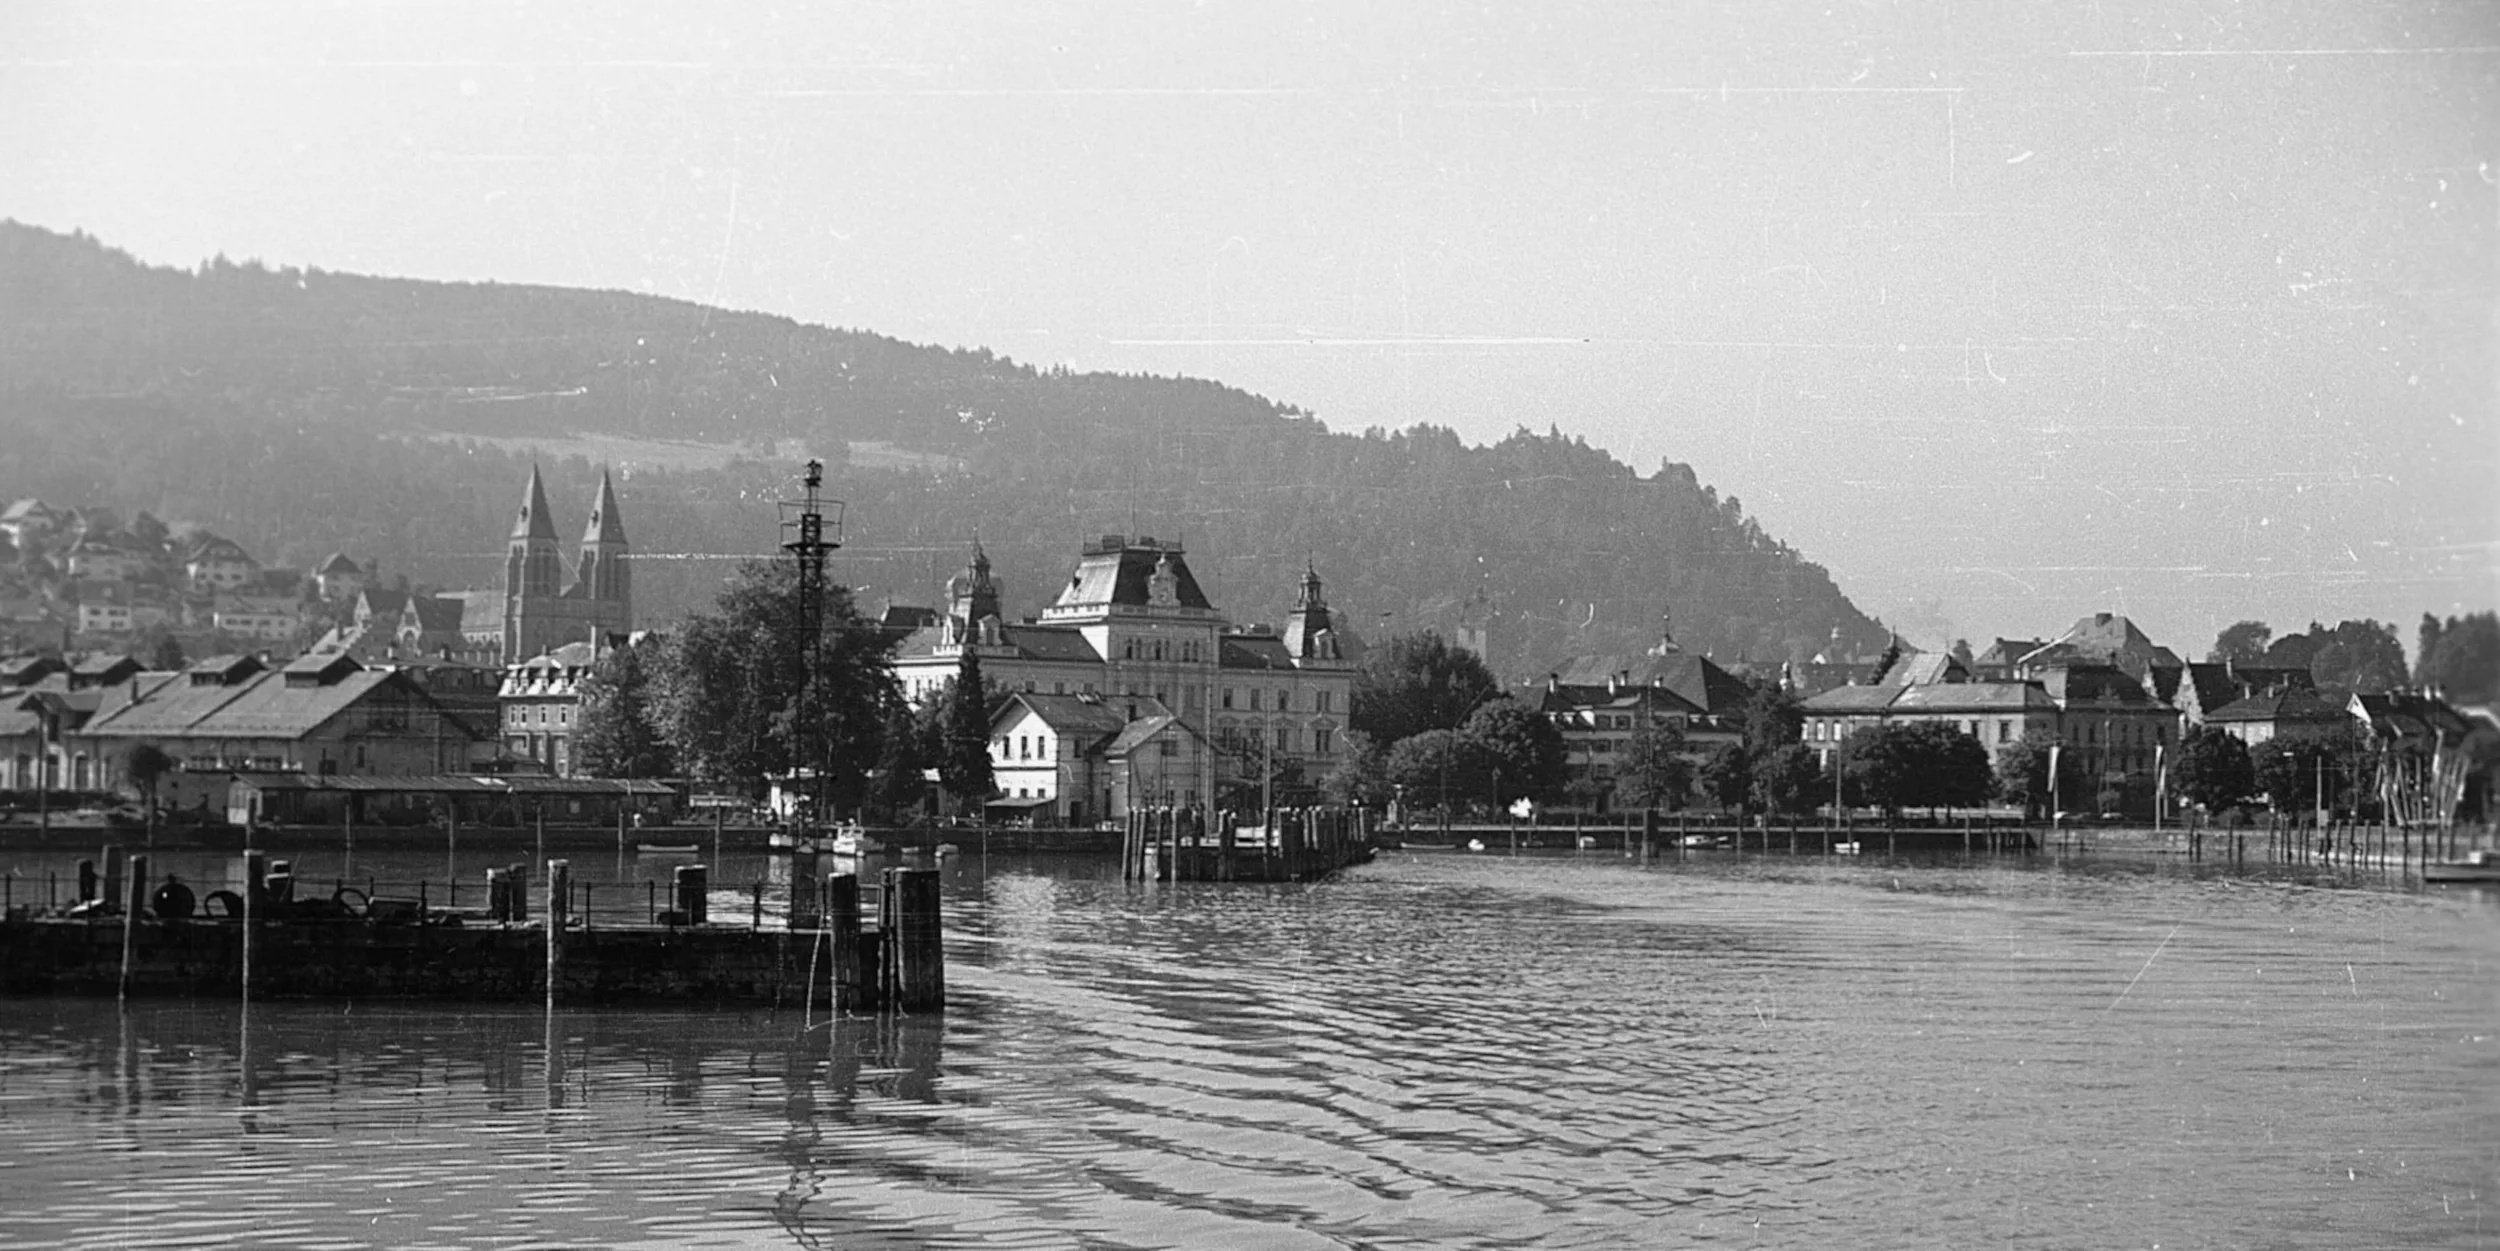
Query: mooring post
(87, 880)
(349, 811)
(917, 940)
(559, 890)
(131, 904)
(254, 866)
(850, 980)
(112, 893)
(694, 883)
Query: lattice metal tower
(807, 537)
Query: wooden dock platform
(1292, 845)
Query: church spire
(534, 521)
(605, 525)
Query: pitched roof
(438, 612)
(1081, 715)
(1141, 731)
(1844, 700)
(2098, 684)
(2297, 704)
(1924, 668)
(1252, 651)
(1694, 679)
(337, 565)
(266, 705)
(1974, 697)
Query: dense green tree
(144, 766)
(2460, 658)
(2022, 774)
(2243, 642)
(1726, 777)
(732, 696)
(1418, 682)
(964, 757)
(1522, 746)
(1885, 662)
(2293, 769)
(1921, 764)
(617, 732)
(1770, 718)
(1653, 769)
(1360, 778)
(2214, 770)
(1440, 769)
(900, 780)
(1791, 781)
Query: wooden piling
(559, 892)
(87, 881)
(851, 983)
(915, 940)
(132, 903)
(112, 887)
(694, 884)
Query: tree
(1791, 781)
(1923, 764)
(2022, 773)
(1652, 771)
(964, 758)
(2214, 770)
(144, 765)
(617, 734)
(1417, 682)
(1727, 776)
(1885, 662)
(1440, 768)
(2359, 656)
(900, 780)
(160, 648)
(1523, 747)
(732, 694)
(2242, 642)
(1360, 777)
(1770, 718)
(2461, 658)
(2295, 766)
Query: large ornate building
(543, 607)
(1132, 635)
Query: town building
(1599, 702)
(1133, 629)
(338, 578)
(541, 705)
(1072, 759)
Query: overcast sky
(2005, 314)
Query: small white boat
(1587, 842)
(1475, 844)
(665, 849)
(846, 840)
(2478, 866)
(1844, 849)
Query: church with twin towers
(545, 604)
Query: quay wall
(353, 960)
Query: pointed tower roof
(605, 525)
(534, 522)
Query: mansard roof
(1119, 570)
(1695, 679)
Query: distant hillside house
(103, 608)
(29, 519)
(1132, 628)
(545, 606)
(337, 578)
(217, 564)
(259, 618)
(102, 558)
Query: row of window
(2133, 733)
(1280, 699)
(537, 714)
(1187, 651)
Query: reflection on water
(1438, 1050)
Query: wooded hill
(301, 412)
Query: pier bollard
(112, 886)
(805, 895)
(694, 885)
(86, 880)
(498, 890)
(916, 939)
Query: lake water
(1436, 1050)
